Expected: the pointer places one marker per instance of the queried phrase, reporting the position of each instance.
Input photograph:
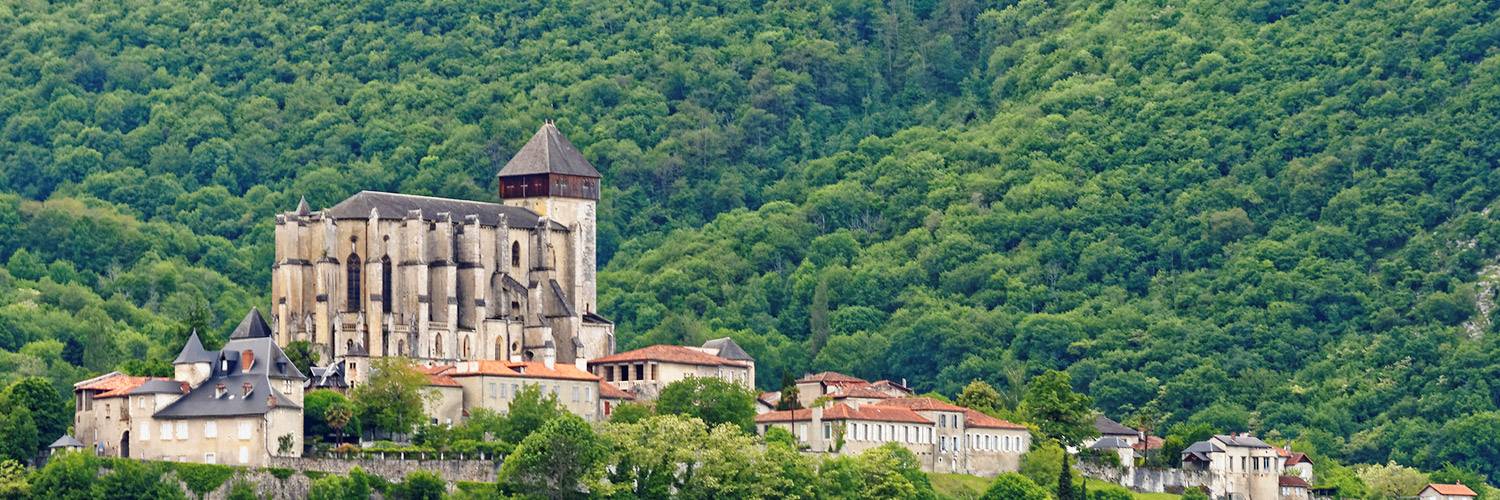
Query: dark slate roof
(394, 206)
(590, 317)
(1109, 427)
(1243, 441)
(328, 377)
(193, 352)
(548, 152)
(302, 208)
(269, 363)
(728, 349)
(1202, 447)
(65, 441)
(159, 387)
(1109, 443)
(512, 284)
(252, 327)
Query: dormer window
(219, 390)
(248, 388)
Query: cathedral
(443, 280)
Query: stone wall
(1146, 480)
(395, 469)
(268, 486)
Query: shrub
(203, 478)
(1013, 486)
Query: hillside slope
(1267, 215)
(1268, 218)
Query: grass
(964, 487)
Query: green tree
(1059, 413)
(557, 460)
(393, 398)
(67, 476)
(529, 411)
(981, 396)
(20, 439)
(790, 396)
(419, 485)
(13, 483)
(1013, 486)
(302, 355)
(713, 400)
(631, 412)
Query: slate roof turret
(193, 352)
(252, 327)
(548, 152)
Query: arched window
(351, 268)
(499, 349)
(385, 284)
(400, 347)
(348, 346)
(437, 345)
(515, 254)
(466, 348)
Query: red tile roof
(1295, 458)
(1453, 490)
(1292, 482)
(769, 398)
(860, 391)
(972, 418)
(670, 354)
(841, 411)
(831, 378)
(609, 391)
(115, 385)
(1151, 443)
(524, 369)
(439, 375)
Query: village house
(1239, 466)
(1294, 488)
(1116, 438)
(238, 405)
(945, 438)
(1296, 464)
(1437, 491)
(646, 371)
(836, 385)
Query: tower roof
(548, 152)
(193, 352)
(253, 326)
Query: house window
(210, 429)
(244, 431)
(827, 431)
(182, 431)
(166, 431)
(244, 455)
(145, 432)
(210, 458)
(352, 269)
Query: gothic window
(385, 283)
(515, 254)
(401, 347)
(466, 348)
(352, 269)
(437, 345)
(499, 349)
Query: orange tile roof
(860, 391)
(115, 386)
(841, 411)
(439, 375)
(670, 354)
(1297, 458)
(524, 369)
(1292, 482)
(972, 418)
(609, 391)
(1453, 490)
(831, 378)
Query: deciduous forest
(1262, 215)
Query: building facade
(444, 281)
(238, 405)
(944, 437)
(1240, 466)
(646, 371)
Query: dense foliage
(1273, 215)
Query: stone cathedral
(443, 280)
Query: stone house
(1437, 491)
(238, 405)
(646, 371)
(1294, 488)
(836, 385)
(493, 385)
(944, 437)
(1238, 466)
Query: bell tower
(552, 179)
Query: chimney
(247, 359)
(219, 390)
(248, 387)
(549, 354)
(271, 401)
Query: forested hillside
(1262, 215)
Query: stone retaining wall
(395, 469)
(1147, 480)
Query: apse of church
(442, 280)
